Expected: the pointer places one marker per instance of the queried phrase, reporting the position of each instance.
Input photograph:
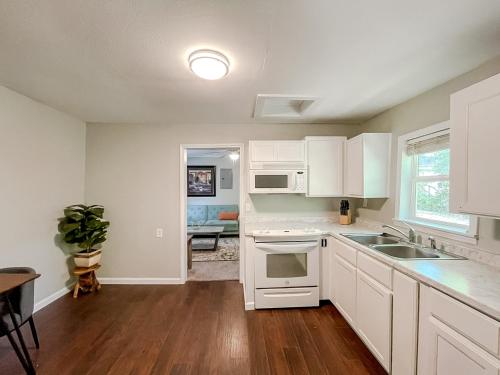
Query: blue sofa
(209, 215)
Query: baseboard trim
(53, 297)
(249, 306)
(141, 280)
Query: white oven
(286, 264)
(287, 270)
(277, 181)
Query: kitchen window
(424, 158)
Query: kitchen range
(286, 267)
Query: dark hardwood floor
(196, 328)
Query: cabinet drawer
(346, 252)
(286, 297)
(375, 269)
(476, 326)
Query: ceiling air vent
(281, 106)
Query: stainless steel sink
(408, 251)
(373, 239)
(395, 247)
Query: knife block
(345, 219)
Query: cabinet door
(452, 353)
(345, 289)
(442, 350)
(404, 325)
(331, 266)
(354, 183)
(374, 317)
(290, 151)
(474, 118)
(324, 277)
(262, 151)
(325, 158)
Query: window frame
(405, 191)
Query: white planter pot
(83, 259)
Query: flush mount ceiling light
(234, 156)
(208, 64)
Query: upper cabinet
(325, 161)
(285, 154)
(367, 165)
(474, 149)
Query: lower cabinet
(408, 326)
(331, 265)
(345, 288)
(443, 349)
(374, 317)
(452, 353)
(404, 324)
(324, 271)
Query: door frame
(183, 202)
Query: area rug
(227, 249)
(219, 270)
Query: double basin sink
(395, 247)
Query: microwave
(277, 181)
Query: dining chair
(18, 306)
(22, 300)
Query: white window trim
(438, 229)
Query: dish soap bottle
(345, 212)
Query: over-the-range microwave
(269, 181)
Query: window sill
(440, 231)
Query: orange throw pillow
(225, 215)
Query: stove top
(286, 234)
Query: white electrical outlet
(159, 232)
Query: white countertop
(473, 283)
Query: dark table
(9, 282)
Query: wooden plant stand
(86, 279)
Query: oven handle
(290, 248)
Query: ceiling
(126, 60)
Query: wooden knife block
(345, 219)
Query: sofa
(208, 215)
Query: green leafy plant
(84, 226)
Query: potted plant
(84, 226)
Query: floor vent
(281, 106)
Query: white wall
(42, 161)
(223, 196)
(133, 170)
(429, 108)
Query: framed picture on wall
(201, 181)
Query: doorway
(212, 196)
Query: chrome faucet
(433, 242)
(411, 233)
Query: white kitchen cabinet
(325, 270)
(345, 289)
(404, 324)
(374, 317)
(454, 338)
(325, 163)
(367, 165)
(285, 154)
(474, 119)
(331, 267)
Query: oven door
(265, 182)
(286, 264)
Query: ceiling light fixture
(234, 156)
(208, 64)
